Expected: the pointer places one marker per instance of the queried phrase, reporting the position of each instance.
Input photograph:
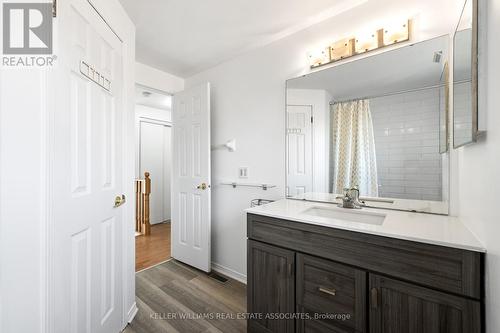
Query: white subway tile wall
(406, 128)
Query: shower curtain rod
(395, 93)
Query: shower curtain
(352, 157)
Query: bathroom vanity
(314, 267)
(382, 137)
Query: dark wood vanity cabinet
(397, 306)
(325, 288)
(309, 279)
(272, 291)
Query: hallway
(154, 249)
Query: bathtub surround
(407, 145)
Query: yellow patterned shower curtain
(352, 157)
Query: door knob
(119, 200)
(202, 186)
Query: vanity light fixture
(319, 57)
(342, 49)
(396, 33)
(367, 42)
(362, 43)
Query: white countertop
(424, 206)
(418, 227)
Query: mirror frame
(447, 97)
(474, 76)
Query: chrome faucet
(351, 198)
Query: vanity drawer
(448, 269)
(334, 291)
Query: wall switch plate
(243, 172)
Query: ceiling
(406, 68)
(189, 36)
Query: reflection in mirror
(373, 123)
(465, 79)
(444, 98)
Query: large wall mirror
(378, 123)
(465, 77)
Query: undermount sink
(343, 214)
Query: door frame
(137, 121)
(115, 17)
(313, 154)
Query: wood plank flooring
(153, 249)
(173, 297)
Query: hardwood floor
(167, 292)
(154, 249)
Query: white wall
(406, 130)
(479, 176)
(248, 103)
(152, 113)
(22, 208)
(157, 79)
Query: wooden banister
(142, 192)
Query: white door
(155, 159)
(299, 145)
(88, 174)
(191, 177)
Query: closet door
(154, 156)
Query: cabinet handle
(374, 298)
(290, 269)
(331, 292)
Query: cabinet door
(397, 306)
(270, 288)
(332, 295)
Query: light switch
(243, 172)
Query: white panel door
(155, 159)
(191, 177)
(88, 175)
(299, 150)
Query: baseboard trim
(132, 312)
(229, 272)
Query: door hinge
(54, 8)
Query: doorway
(299, 145)
(153, 167)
